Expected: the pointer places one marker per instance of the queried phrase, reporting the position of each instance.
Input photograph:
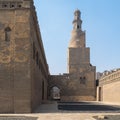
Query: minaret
(79, 83)
(81, 72)
(78, 54)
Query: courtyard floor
(69, 111)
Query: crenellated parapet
(13, 4)
(111, 77)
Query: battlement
(15, 4)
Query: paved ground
(48, 107)
(88, 106)
(63, 116)
(49, 111)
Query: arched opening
(7, 33)
(78, 27)
(55, 93)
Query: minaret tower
(78, 54)
(81, 72)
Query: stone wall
(109, 87)
(23, 66)
(111, 92)
(15, 61)
(72, 90)
(39, 67)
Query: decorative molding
(10, 4)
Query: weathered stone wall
(111, 92)
(39, 65)
(21, 62)
(23, 68)
(109, 87)
(71, 88)
(15, 61)
(6, 82)
(78, 60)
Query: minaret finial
(77, 20)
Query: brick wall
(109, 87)
(22, 76)
(71, 89)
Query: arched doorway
(55, 93)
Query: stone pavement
(49, 111)
(61, 116)
(48, 107)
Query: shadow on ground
(86, 106)
(82, 107)
(17, 118)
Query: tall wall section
(72, 89)
(39, 66)
(109, 87)
(23, 66)
(15, 48)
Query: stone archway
(55, 93)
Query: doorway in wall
(55, 93)
(100, 94)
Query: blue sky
(101, 21)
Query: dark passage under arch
(55, 93)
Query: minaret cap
(77, 12)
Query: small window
(19, 6)
(7, 33)
(12, 6)
(83, 80)
(78, 27)
(4, 5)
